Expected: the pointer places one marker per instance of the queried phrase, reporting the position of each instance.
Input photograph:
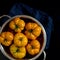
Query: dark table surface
(52, 10)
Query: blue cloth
(46, 21)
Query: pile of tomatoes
(22, 42)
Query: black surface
(53, 10)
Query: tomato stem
(30, 30)
(16, 27)
(17, 50)
(21, 38)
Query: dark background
(52, 9)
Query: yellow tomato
(6, 38)
(17, 24)
(32, 30)
(18, 52)
(34, 47)
(20, 39)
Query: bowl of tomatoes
(22, 37)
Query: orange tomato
(17, 24)
(34, 47)
(32, 30)
(6, 38)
